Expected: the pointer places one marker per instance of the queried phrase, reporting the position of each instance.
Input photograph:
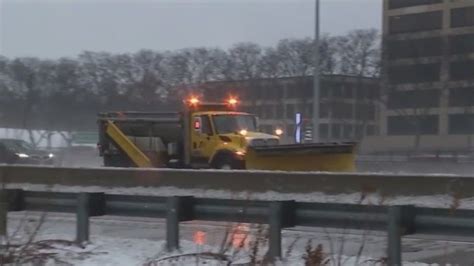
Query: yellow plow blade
(331, 157)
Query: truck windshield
(234, 123)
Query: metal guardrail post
(3, 214)
(82, 216)
(178, 209)
(400, 222)
(15, 199)
(281, 216)
(88, 204)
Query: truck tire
(227, 161)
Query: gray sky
(51, 29)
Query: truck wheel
(227, 162)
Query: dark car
(16, 151)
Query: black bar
(16, 200)
(400, 222)
(82, 218)
(178, 209)
(3, 214)
(281, 216)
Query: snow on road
(435, 201)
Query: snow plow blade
(331, 157)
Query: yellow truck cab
(209, 135)
(220, 138)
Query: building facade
(348, 109)
(428, 75)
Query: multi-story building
(347, 108)
(428, 76)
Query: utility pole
(316, 75)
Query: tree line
(66, 93)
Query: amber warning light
(193, 101)
(232, 101)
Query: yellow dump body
(132, 151)
(302, 157)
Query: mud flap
(331, 157)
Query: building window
(347, 131)
(414, 73)
(290, 111)
(365, 112)
(462, 70)
(414, 99)
(290, 130)
(336, 131)
(393, 4)
(308, 112)
(323, 110)
(280, 114)
(323, 131)
(373, 92)
(397, 49)
(461, 97)
(324, 92)
(341, 110)
(416, 22)
(461, 124)
(358, 131)
(462, 17)
(337, 91)
(413, 125)
(462, 44)
(348, 92)
(370, 130)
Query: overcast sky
(51, 29)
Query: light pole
(316, 76)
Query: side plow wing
(331, 157)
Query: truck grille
(263, 142)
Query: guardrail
(397, 221)
(249, 181)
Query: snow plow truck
(209, 135)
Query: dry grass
(315, 256)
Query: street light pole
(316, 75)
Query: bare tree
(246, 59)
(359, 53)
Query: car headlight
(22, 155)
(50, 155)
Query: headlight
(22, 155)
(50, 155)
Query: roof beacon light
(193, 100)
(232, 101)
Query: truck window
(206, 125)
(233, 123)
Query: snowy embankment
(434, 201)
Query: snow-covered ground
(116, 242)
(435, 201)
(106, 251)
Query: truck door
(203, 139)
